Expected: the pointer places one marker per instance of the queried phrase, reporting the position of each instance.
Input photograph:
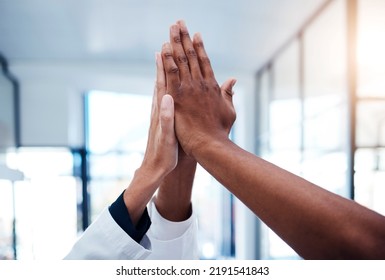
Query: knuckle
(216, 87)
(160, 86)
(181, 59)
(203, 86)
(185, 33)
(204, 60)
(173, 70)
(198, 45)
(168, 55)
(229, 92)
(176, 39)
(191, 53)
(185, 88)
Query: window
(325, 107)
(117, 127)
(44, 203)
(370, 155)
(8, 94)
(303, 111)
(6, 220)
(282, 131)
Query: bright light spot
(208, 250)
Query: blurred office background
(75, 97)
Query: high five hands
(204, 110)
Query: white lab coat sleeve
(172, 240)
(104, 239)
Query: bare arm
(173, 200)
(316, 223)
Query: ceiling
(238, 34)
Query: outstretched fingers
(178, 51)
(184, 59)
(189, 51)
(203, 59)
(170, 68)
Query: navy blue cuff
(119, 213)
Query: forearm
(316, 223)
(140, 191)
(173, 200)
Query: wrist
(173, 199)
(207, 144)
(139, 193)
(186, 162)
(152, 172)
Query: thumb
(166, 114)
(227, 88)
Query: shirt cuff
(119, 213)
(163, 229)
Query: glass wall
(7, 108)
(325, 100)
(311, 112)
(6, 220)
(43, 205)
(303, 92)
(370, 133)
(117, 127)
(281, 130)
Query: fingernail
(174, 27)
(166, 45)
(198, 38)
(182, 23)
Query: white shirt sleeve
(172, 240)
(104, 239)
